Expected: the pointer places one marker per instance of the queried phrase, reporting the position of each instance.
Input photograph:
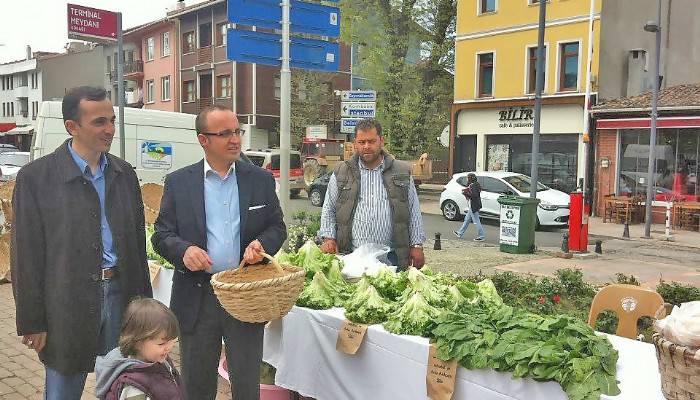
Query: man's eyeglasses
(226, 133)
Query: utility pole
(656, 28)
(120, 85)
(539, 86)
(285, 111)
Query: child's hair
(146, 319)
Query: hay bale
(5, 275)
(6, 189)
(151, 194)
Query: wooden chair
(630, 303)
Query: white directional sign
(358, 109)
(347, 125)
(358, 95)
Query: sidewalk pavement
(21, 372)
(613, 230)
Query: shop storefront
(622, 149)
(498, 137)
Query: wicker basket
(259, 293)
(680, 370)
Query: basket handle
(270, 258)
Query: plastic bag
(365, 260)
(682, 326)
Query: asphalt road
(547, 237)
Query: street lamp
(654, 27)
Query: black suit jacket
(181, 223)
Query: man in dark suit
(213, 214)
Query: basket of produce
(260, 292)
(678, 352)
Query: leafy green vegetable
(150, 251)
(414, 317)
(487, 291)
(434, 293)
(366, 305)
(559, 348)
(320, 294)
(389, 284)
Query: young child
(140, 369)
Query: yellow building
(495, 59)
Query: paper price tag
(153, 270)
(350, 337)
(441, 376)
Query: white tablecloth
(302, 348)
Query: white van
(157, 142)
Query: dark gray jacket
(57, 253)
(182, 223)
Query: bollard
(668, 235)
(437, 245)
(599, 246)
(626, 232)
(565, 242)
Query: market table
(387, 366)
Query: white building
(20, 96)
(41, 76)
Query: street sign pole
(539, 85)
(285, 109)
(120, 86)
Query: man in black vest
(371, 198)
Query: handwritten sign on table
(350, 337)
(441, 376)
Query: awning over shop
(4, 127)
(21, 130)
(645, 123)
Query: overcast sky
(42, 23)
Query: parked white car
(11, 162)
(552, 210)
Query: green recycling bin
(518, 221)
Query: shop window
(485, 75)
(568, 66)
(675, 164)
(557, 161)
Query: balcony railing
(204, 55)
(204, 103)
(130, 68)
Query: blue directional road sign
(266, 48)
(362, 109)
(304, 17)
(347, 125)
(358, 95)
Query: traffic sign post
(347, 125)
(355, 106)
(284, 51)
(102, 26)
(310, 18)
(264, 48)
(358, 95)
(358, 109)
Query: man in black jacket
(78, 246)
(473, 194)
(213, 214)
